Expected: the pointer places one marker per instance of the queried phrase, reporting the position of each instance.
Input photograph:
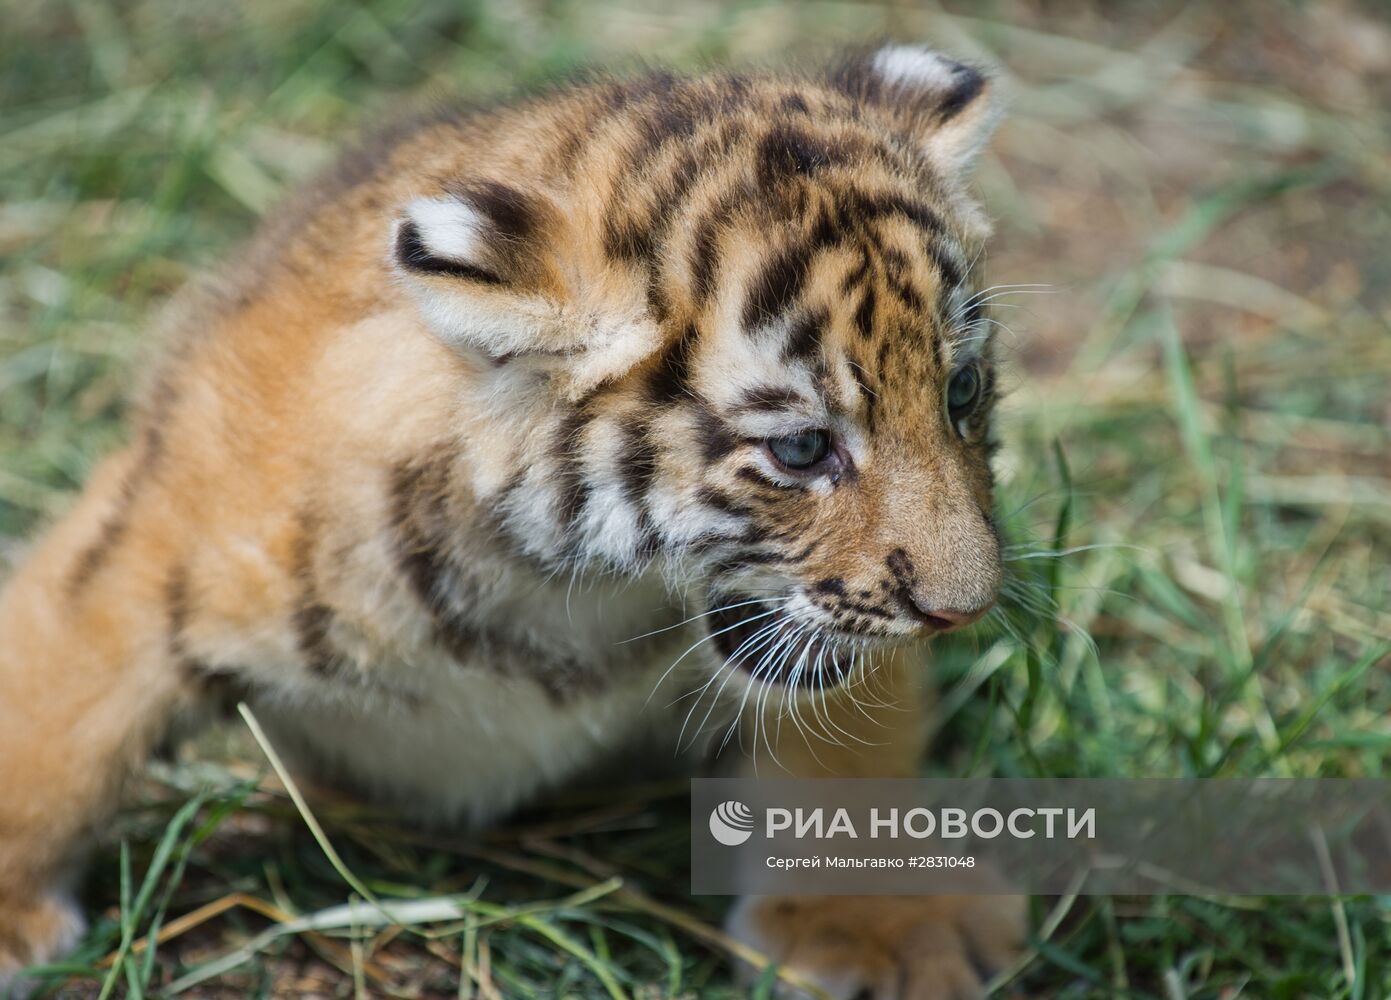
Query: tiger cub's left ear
(949, 107)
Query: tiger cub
(519, 416)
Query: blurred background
(1197, 467)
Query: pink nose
(941, 619)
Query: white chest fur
(475, 746)
(472, 736)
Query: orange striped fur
(464, 419)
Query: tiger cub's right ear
(477, 260)
(483, 265)
(488, 233)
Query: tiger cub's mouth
(773, 647)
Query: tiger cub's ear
(476, 260)
(483, 264)
(949, 107)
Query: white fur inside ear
(915, 66)
(448, 227)
(515, 324)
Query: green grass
(1200, 418)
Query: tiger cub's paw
(885, 947)
(32, 932)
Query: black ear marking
(413, 255)
(969, 82)
(482, 231)
(513, 213)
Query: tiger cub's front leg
(879, 947)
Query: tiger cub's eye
(802, 450)
(963, 391)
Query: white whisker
(701, 641)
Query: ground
(1199, 423)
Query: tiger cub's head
(735, 325)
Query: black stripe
(658, 302)
(856, 274)
(627, 238)
(869, 207)
(902, 286)
(516, 481)
(634, 234)
(777, 285)
(640, 466)
(898, 276)
(794, 103)
(753, 474)
(705, 241)
(177, 610)
(312, 622)
(787, 151)
(667, 382)
(722, 501)
(804, 338)
(901, 566)
(750, 557)
(915, 212)
(419, 553)
(677, 183)
(857, 79)
(951, 273)
(421, 492)
(511, 212)
(311, 617)
(715, 438)
(93, 557)
(877, 206)
(768, 397)
(755, 557)
(578, 131)
(828, 229)
(668, 114)
(574, 490)
(704, 253)
(113, 529)
(420, 513)
(864, 313)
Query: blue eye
(802, 450)
(963, 392)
